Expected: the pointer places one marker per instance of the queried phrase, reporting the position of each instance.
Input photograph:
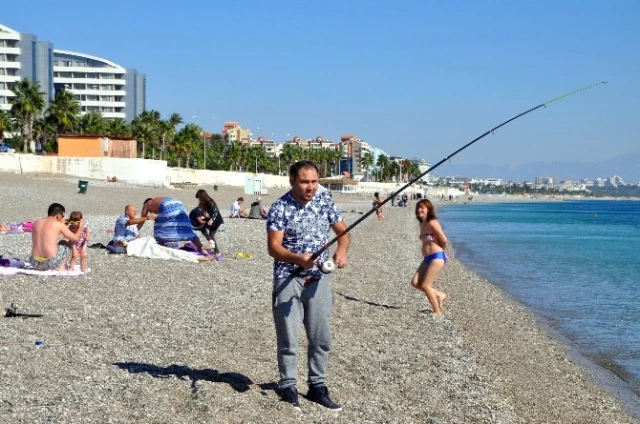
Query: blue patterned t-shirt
(306, 229)
(122, 232)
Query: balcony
(114, 115)
(9, 36)
(9, 65)
(93, 91)
(101, 103)
(89, 70)
(10, 50)
(66, 80)
(9, 78)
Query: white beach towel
(71, 273)
(147, 247)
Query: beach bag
(27, 226)
(112, 247)
(15, 228)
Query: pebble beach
(153, 341)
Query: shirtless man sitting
(48, 252)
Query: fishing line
(330, 267)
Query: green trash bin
(82, 185)
(215, 188)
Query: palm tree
(5, 123)
(174, 120)
(153, 118)
(186, 141)
(27, 103)
(119, 128)
(166, 131)
(143, 133)
(234, 156)
(44, 132)
(367, 162)
(291, 153)
(64, 111)
(336, 157)
(394, 169)
(383, 164)
(93, 123)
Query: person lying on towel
(172, 222)
(48, 252)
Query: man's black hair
(55, 209)
(296, 167)
(148, 198)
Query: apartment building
(271, 149)
(24, 56)
(354, 149)
(232, 132)
(98, 84)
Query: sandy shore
(139, 340)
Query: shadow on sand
(380, 305)
(239, 382)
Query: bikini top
(427, 237)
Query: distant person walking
(434, 242)
(377, 203)
(297, 225)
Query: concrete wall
(237, 179)
(156, 172)
(153, 172)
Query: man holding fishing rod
(298, 226)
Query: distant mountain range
(626, 166)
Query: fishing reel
(327, 267)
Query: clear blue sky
(415, 78)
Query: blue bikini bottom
(436, 255)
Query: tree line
(38, 129)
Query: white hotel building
(98, 84)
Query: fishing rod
(328, 265)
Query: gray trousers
(295, 301)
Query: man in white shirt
(236, 209)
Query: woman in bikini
(377, 204)
(433, 244)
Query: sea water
(575, 264)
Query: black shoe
(290, 395)
(320, 395)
